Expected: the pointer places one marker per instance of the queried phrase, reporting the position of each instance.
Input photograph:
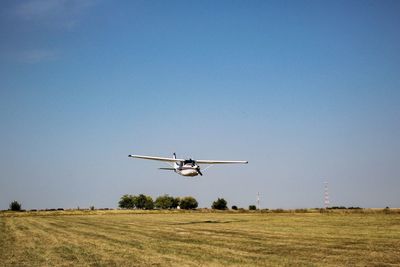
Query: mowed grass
(199, 239)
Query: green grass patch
(170, 238)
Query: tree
(234, 207)
(165, 202)
(149, 205)
(219, 204)
(140, 201)
(143, 202)
(127, 202)
(252, 207)
(175, 202)
(15, 206)
(188, 203)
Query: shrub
(234, 207)
(337, 208)
(252, 207)
(15, 206)
(278, 210)
(188, 203)
(219, 204)
(300, 210)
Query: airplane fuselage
(187, 169)
(188, 172)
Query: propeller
(198, 170)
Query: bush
(188, 203)
(300, 210)
(219, 204)
(252, 207)
(15, 206)
(337, 208)
(234, 207)
(278, 210)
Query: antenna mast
(326, 195)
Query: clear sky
(306, 91)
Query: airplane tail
(176, 165)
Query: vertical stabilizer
(176, 165)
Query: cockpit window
(189, 161)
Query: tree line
(162, 202)
(166, 202)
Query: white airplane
(186, 167)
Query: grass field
(115, 238)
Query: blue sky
(307, 91)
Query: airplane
(187, 167)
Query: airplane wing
(156, 158)
(221, 161)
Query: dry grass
(115, 238)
